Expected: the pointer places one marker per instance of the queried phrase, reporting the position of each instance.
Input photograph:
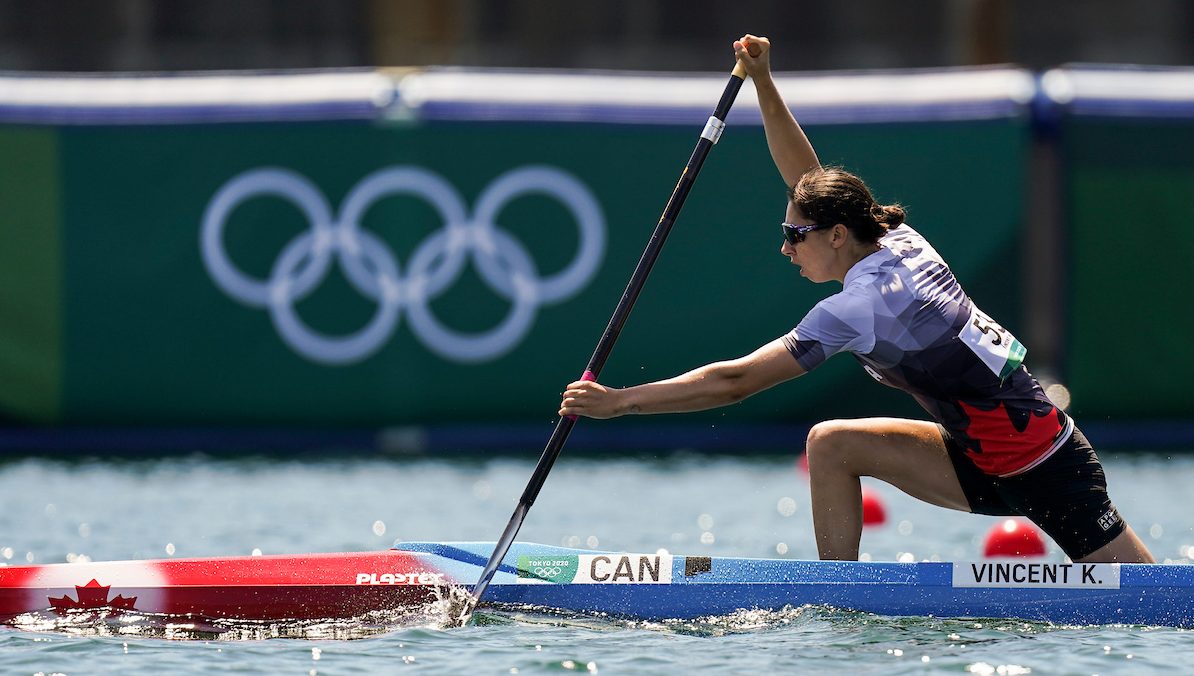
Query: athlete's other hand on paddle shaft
(710, 386)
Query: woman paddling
(997, 445)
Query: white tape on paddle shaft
(713, 129)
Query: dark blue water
(55, 512)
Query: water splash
(434, 616)
(453, 608)
(738, 622)
(454, 605)
(789, 618)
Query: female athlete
(997, 445)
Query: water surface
(750, 506)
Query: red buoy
(802, 463)
(1014, 538)
(873, 511)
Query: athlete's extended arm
(790, 148)
(710, 386)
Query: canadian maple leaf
(92, 595)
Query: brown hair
(830, 195)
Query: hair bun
(891, 214)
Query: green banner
(358, 274)
(1130, 187)
(31, 321)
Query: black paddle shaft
(559, 436)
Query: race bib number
(993, 344)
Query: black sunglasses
(795, 234)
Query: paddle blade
(459, 604)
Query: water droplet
(592, 542)
(707, 538)
(1156, 531)
(379, 528)
(315, 653)
(781, 548)
(705, 521)
(905, 527)
(51, 510)
(906, 557)
(573, 541)
(1060, 394)
(482, 490)
(786, 506)
(84, 530)
(256, 552)
(170, 549)
(6, 552)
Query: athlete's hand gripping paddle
(709, 137)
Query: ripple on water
(526, 639)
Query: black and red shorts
(1066, 495)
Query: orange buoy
(1014, 538)
(873, 511)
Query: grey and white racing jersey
(904, 316)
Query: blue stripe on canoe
(455, 553)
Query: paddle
(559, 436)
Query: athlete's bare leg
(1125, 548)
(908, 454)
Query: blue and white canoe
(661, 586)
(636, 586)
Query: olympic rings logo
(369, 264)
(547, 573)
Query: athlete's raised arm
(789, 147)
(710, 386)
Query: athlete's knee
(828, 444)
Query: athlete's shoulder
(901, 233)
(907, 243)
